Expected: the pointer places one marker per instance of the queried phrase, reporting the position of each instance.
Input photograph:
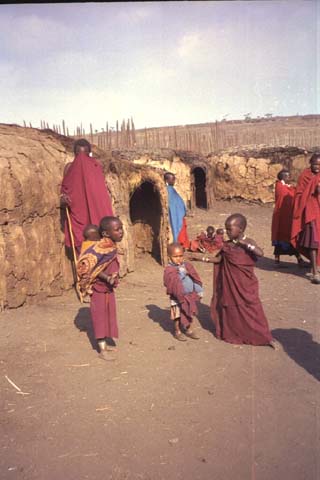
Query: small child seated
(91, 235)
(219, 238)
(184, 286)
(208, 241)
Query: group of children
(209, 241)
(236, 309)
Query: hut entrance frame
(199, 187)
(146, 219)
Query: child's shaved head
(91, 231)
(239, 218)
(174, 247)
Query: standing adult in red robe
(282, 218)
(305, 233)
(84, 192)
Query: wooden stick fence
(204, 138)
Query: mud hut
(32, 253)
(194, 174)
(250, 174)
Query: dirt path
(202, 409)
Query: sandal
(179, 336)
(192, 335)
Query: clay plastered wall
(174, 165)
(31, 241)
(251, 177)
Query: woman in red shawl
(305, 233)
(282, 218)
(84, 192)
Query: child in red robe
(98, 271)
(184, 286)
(219, 238)
(282, 218)
(305, 233)
(208, 241)
(236, 307)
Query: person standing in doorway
(177, 212)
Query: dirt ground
(199, 410)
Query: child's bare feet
(103, 351)
(178, 335)
(274, 344)
(192, 334)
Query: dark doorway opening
(200, 187)
(145, 215)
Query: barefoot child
(204, 242)
(98, 270)
(236, 307)
(184, 286)
(91, 235)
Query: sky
(162, 63)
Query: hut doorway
(199, 188)
(145, 216)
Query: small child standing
(90, 234)
(98, 271)
(236, 307)
(184, 286)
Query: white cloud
(134, 14)
(30, 35)
(189, 45)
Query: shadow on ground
(269, 265)
(300, 346)
(162, 317)
(204, 318)
(83, 322)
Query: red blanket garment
(103, 305)
(84, 184)
(282, 213)
(236, 308)
(173, 284)
(306, 207)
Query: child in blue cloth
(189, 285)
(184, 287)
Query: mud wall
(251, 175)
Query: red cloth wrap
(85, 186)
(183, 235)
(210, 245)
(306, 208)
(282, 213)
(103, 305)
(236, 309)
(173, 284)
